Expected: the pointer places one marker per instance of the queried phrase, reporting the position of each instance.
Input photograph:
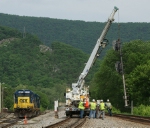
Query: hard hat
(101, 100)
(93, 100)
(107, 100)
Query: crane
(79, 91)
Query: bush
(142, 110)
(114, 110)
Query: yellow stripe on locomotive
(24, 102)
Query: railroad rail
(77, 122)
(7, 119)
(69, 122)
(133, 118)
(49, 121)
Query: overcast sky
(85, 10)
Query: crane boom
(94, 53)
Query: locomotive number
(23, 100)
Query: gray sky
(85, 10)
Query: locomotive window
(23, 94)
(27, 91)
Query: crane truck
(79, 91)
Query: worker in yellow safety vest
(92, 109)
(81, 107)
(102, 110)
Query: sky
(84, 10)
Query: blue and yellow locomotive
(26, 103)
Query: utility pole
(119, 68)
(0, 97)
(123, 78)
(132, 107)
(2, 89)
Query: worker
(108, 107)
(97, 109)
(86, 103)
(81, 107)
(92, 109)
(102, 109)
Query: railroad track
(8, 122)
(7, 119)
(132, 118)
(77, 122)
(68, 123)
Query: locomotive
(26, 103)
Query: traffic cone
(25, 120)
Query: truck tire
(67, 115)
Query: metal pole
(0, 97)
(124, 85)
(132, 107)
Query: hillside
(79, 34)
(28, 61)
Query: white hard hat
(107, 100)
(93, 100)
(101, 100)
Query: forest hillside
(79, 34)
